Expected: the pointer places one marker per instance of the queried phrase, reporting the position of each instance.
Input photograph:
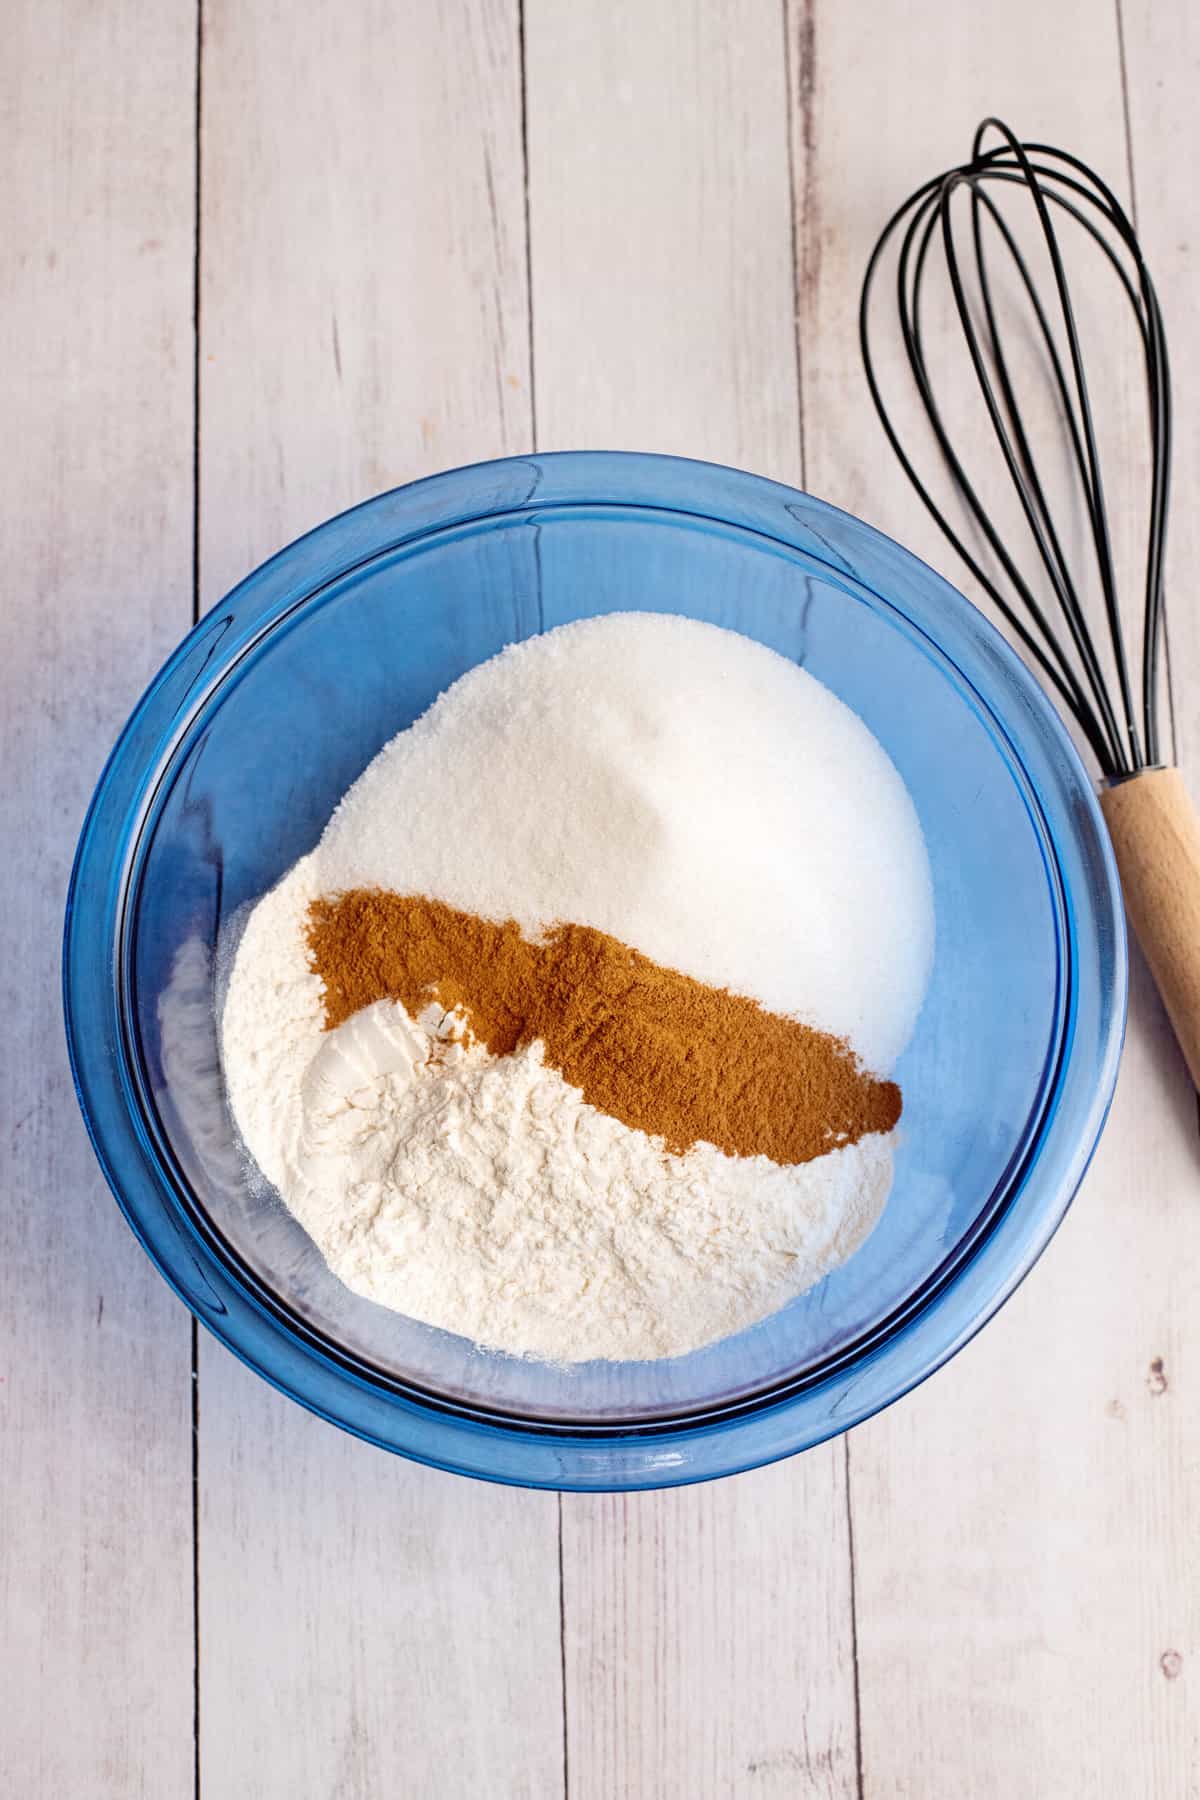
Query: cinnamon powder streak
(661, 1052)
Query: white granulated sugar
(703, 800)
(676, 785)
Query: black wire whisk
(1123, 735)
(967, 215)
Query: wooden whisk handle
(1156, 836)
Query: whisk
(968, 215)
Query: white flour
(645, 776)
(484, 1195)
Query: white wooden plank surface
(1023, 1571)
(367, 1627)
(95, 395)
(660, 230)
(364, 304)
(708, 1637)
(1162, 62)
(1023, 1602)
(1162, 66)
(708, 1632)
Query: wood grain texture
(1023, 1575)
(1024, 1604)
(363, 302)
(367, 1627)
(1156, 836)
(95, 1441)
(1162, 66)
(707, 1638)
(660, 230)
(707, 1632)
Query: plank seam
(1133, 213)
(196, 317)
(791, 76)
(1133, 209)
(195, 1334)
(533, 431)
(858, 1736)
(533, 444)
(1133, 205)
(195, 1560)
(562, 1656)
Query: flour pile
(695, 796)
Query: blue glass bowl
(231, 764)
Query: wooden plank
(97, 119)
(707, 1632)
(660, 230)
(707, 1637)
(367, 1626)
(364, 303)
(1162, 62)
(1021, 1527)
(1162, 57)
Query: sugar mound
(679, 786)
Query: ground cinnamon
(661, 1052)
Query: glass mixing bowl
(232, 763)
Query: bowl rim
(608, 1456)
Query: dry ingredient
(636, 778)
(678, 786)
(655, 1049)
(484, 1195)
